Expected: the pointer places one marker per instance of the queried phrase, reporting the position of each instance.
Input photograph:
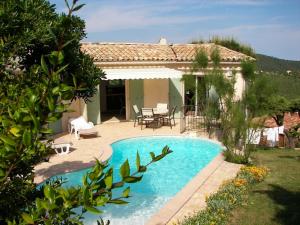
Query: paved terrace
(186, 202)
(84, 151)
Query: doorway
(113, 100)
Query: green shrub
(231, 194)
(232, 157)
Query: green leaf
(61, 69)
(53, 57)
(108, 180)
(26, 138)
(67, 4)
(44, 65)
(15, 131)
(125, 169)
(8, 140)
(33, 98)
(27, 118)
(117, 201)
(138, 161)
(78, 7)
(152, 155)
(101, 200)
(86, 195)
(142, 169)
(60, 57)
(2, 173)
(52, 119)
(165, 150)
(65, 87)
(159, 157)
(93, 209)
(55, 90)
(74, 81)
(38, 204)
(51, 105)
(131, 179)
(49, 193)
(46, 131)
(84, 180)
(118, 184)
(91, 175)
(126, 192)
(27, 218)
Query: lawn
(277, 199)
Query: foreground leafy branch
(57, 203)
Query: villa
(144, 74)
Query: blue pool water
(162, 180)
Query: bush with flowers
(231, 194)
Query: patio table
(151, 117)
(158, 112)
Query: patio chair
(171, 117)
(81, 126)
(162, 108)
(148, 117)
(137, 114)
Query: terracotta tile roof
(290, 120)
(125, 52)
(187, 52)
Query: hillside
(287, 85)
(272, 64)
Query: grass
(277, 199)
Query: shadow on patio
(64, 167)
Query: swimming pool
(162, 180)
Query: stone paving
(84, 151)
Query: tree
(259, 90)
(42, 66)
(277, 106)
(219, 104)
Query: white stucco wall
(239, 86)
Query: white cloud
(234, 30)
(116, 17)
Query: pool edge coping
(176, 203)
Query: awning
(145, 73)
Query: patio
(84, 151)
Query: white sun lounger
(61, 146)
(81, 126)
(90, 131)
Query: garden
(266, 193)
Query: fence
(193, 118)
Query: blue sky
(271, 27)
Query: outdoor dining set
(154, 117)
